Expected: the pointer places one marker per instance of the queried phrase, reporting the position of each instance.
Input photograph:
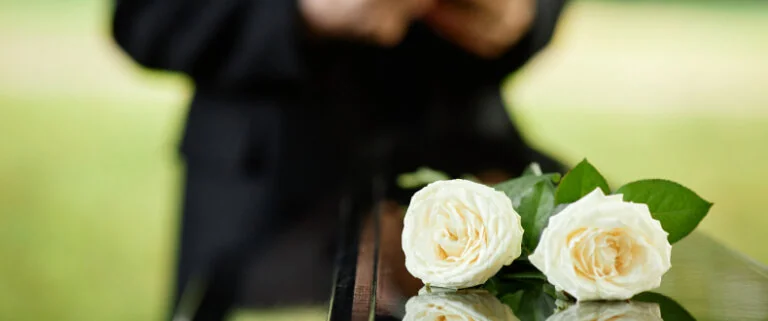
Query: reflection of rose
(468, 306)
(610, 311)
(601, 247)
(458, 234)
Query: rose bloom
(610, 311)
(458, 234)
(471, 306)
(601, 247)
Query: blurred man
(299, 102)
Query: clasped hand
(485, 28)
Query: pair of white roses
(458, 234)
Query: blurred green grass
(89, 176)
(86, 193)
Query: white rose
(472, 306)
(610, 311)
(458, 234)
(601, 247)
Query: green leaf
(533, 305)
(524, 276)
(580, 181)
(500, 287)
(532, 169)
(521, 265)
(530, 299)
(536, 206)
(513, 300)
(519, 271)
(470, 177)
(421, 177)
(677, 208)
(516, 188)
(492, 285)
(670, 310)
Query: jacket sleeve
(471, 68)
(219, 43)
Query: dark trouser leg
(220, 215)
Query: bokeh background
(89, 174)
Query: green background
(89, 177)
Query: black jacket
(279, 120)
(268, 96)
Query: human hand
(383, 22)
(485, 28)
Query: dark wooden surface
(707, 279)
